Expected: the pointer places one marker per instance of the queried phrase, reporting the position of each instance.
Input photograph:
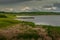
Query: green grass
(7, 22)
(52, 28)
(53, 31)
(28, 23)
(12, 16)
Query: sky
(29, 5)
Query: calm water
(45, 20)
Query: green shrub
(28, 23)
(3, 16)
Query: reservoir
(42, 19)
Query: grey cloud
(56, 5)
(47, 6)
(14, 1)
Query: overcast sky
(21, 5)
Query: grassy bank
(11, 29)
(9, 19)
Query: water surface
(45, 20)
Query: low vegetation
(31, 13)
(11, 29)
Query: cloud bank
(14, 1)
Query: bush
(3, 16)
(28, 23)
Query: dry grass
(24, 32)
